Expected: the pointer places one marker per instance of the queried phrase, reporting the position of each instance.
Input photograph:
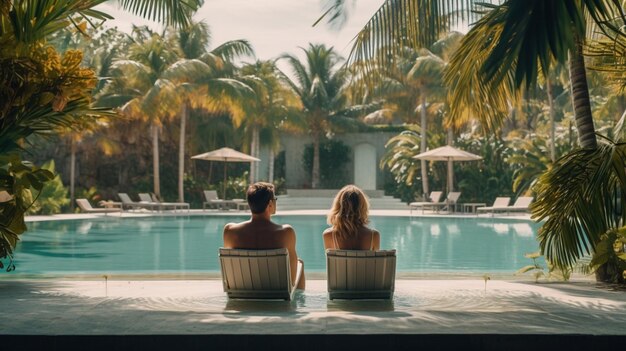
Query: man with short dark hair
(260, 233)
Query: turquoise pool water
(189, 244)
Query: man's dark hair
(259, 196)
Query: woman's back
(365, 239)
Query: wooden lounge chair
(147, 198)
(360, 274)
(450, 204)
(86, 207)
(127, 202)
(258, 274)
(435, 198)
(498, 204)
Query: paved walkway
(50, 307)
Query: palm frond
(169, 12)
(580, 199)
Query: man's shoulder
(232, 226)
(286, 228)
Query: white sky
(273, 27)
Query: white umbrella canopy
(225, 154)
(450, 154)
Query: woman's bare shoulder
(328, 231)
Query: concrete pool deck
(148, 307)
(432, 311)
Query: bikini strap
(372, 242)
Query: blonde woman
(348, 218)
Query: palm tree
(508, 58)
(141, 81)
(319, 84)
(43, 92)
(509, 44)
(274, 102)
(215, 89)
(416, 76)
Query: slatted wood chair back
(361, 274)
(256, 274)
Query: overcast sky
(273, 27)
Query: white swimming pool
(158, 245)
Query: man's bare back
(260, 233)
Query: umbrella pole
(224, 184)
(450, 176)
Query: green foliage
(235, 187)
(406, 193)
(532, 158)
(580, 199)
(538, 271)
(609, 256)
(52, 197)
(17, 177)
(334, 157)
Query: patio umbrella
(225, 154)
(450, 154)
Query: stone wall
(293, 145)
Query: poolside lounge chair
(127, 202)
(521, 205)
(258, 274)
(146, 198)
(86, 207)
(211, 199)
(435, 197)
(360, 274)
(498, 204)
(450, 204)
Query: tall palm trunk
(271, 166)
(254, 150)
(257, 154)
(450, 165)
(423, 145)
(155, 160)
(181, 152)
(552, 123)
(580, 94)
(72, 171)
(315, 177)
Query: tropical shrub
(334, 157)
(484, 180)
(52, 197)
(17, 177)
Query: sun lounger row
(435, 203)
(501, 204)
(211, 200)
(265, 274)
(85, 206)
(146, 202)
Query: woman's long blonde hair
(349, 211)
